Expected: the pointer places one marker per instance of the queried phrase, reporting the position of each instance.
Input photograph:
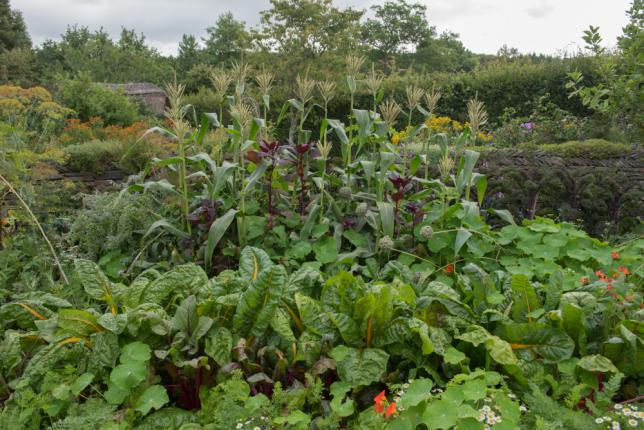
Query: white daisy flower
(618, 406)
(599, 420)
(632, 422)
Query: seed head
(427, 232)
(386, 243)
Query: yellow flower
(395, 139)
(439, 124)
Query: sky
(542, 26)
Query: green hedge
(593, 149)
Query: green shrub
(91, 100)
(594, 149)
(95, 156)
(109, 222)
(202, 101)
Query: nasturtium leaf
(400, 423)
(296, 419)
(115, 394)
(441, 414)
(418, 390)
(135, 352)
(154, 397)
(128, 375)
(325, 249)
(61, 392)
(453, 394)
(343, 408)
(438, 242)
(470, 424)
(299, 250)
(474, 389)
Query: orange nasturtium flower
(379, 402)
(449, 268)
(391, 410)
(614, 255)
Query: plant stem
(183, 184)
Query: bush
(593, 149)
(202, 101)
(31, 110)
(110, 222)
(93, 100)
(95, 156)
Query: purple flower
(527, 125)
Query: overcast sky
(542, 26)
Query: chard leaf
(359, 367)
(553, 344)
(499, 349)
(260, 300)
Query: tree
(189, 53)
(507, 53)
(398, 27)
(129, 59)
(227, 39)
(13, 31)
(308, 28)
(445, 53)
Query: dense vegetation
(354, 249)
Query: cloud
(541, 10)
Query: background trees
(13, 31)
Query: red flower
(615, 275)
(391, 410)
(614, 255)
(379, 402)
(599, 273)
(625, 271)
(449, 268)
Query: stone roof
(137, 88)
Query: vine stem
(42, 232)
